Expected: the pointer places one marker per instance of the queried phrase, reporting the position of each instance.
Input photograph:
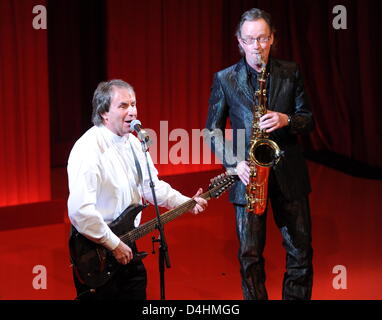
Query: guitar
(95, 265)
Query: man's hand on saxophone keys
(243, 171)
(272, 121)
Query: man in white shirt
(104, 180)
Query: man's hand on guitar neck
(201, 203)
(122, 253)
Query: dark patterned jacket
(232, 96)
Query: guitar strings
(166, 217)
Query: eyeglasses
(250, 41)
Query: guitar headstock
(221, 183)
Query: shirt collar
(251, 71)
(112, 137)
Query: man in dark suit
(233, 96)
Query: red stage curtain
(24, 130)
(168, 51)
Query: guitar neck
(166, 217)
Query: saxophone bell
(265, 153)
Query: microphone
(136, 125)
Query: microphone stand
(164, 259)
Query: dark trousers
(293, 220)
(128, 283)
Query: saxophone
(263, 152)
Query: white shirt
(103, 182)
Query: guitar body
(93, 263)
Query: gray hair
(253, 15)
(102, 98)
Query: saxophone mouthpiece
(260, 62)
